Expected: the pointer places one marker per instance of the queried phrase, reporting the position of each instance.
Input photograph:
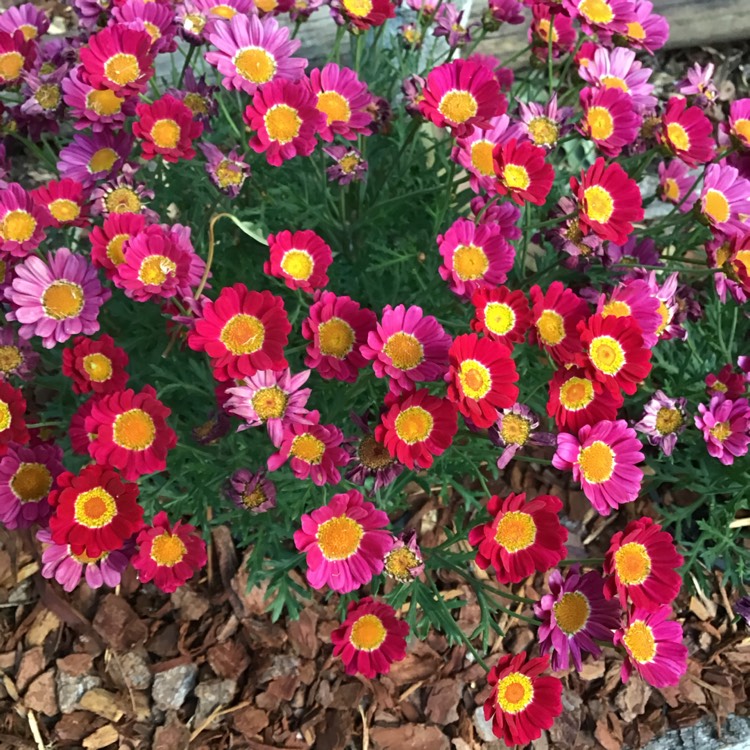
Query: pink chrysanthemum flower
(698, 84)
(725, 199)
(227, 171)
(408, 347)
(251, 52)
(99, 109)
(556, 314)
(633, 299)
(728, 382)
(109, 240)
(343, 99)
(253, 492)
(647, 31)
(22, 221)
(686, 132)
(663, 420)
(505, 215)
(575, 615)
(348, 166)
(522, 172)
(609, 119)
(57, 299)
(17, 55)
(619, 69)
(545, 124)
(31, 21)
(564, 34)
(474, 256)
(344, 542)
(17, 357)
(604, 458)
(88, 158)
(738, 125)
(606, 15)
(725, 424)
(65, 202)
(123, 195)
(166, 127)
(301, 259)
(675, 181)
(156, 18)
(337, 328)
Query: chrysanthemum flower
(501, 314)
(575, 615)
(168, 555)
(577, 399)
(556, 314)
(158, 19)
(344, 542)
(725, 199)
(166, 127)
(88, 158)
(370, 458)
(686, 132)
(362, 14)
(95, 511)
(12, 422)
(243, 332)
(251, 52)
(370, 639)
(17, 54)
(251, 491)
(408, 347)
(95, 366)
(130, 432)
(522, 172)
(698, 84)
(404, 562)
(300, 259)
(313, 450)
(65, 202)
(99, 109)
(450, 25)
(31, 21)
(648, 31)
(609, 201)
(17, 357)
(22, 221)
(666, 294)
(108, 241)
(725, 424)
(120, 59)
(57, 299)
(654, 647)
(641, 564)
(739, 122)
(609, 119)
(123, 195)
(728, 382)
(337, 329)
(199, 97)
(523, 702)
(663, 420)
(462, 95)
(227, 171)
(273, 399)
(546, 123)
(633, 300)
(607, 15)
(545, 21)
(522, 537)
(675, 181)
(348, 166)
(343, 99)
(604, 458)
(515, 428)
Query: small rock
(172, 686)
(483, 727)
(212, 694)
(134, 669)
(40, 696)
(282, 665)
(70, 689)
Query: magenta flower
(349, 165)
(675, 180)
(89, 158)
(515, 428)
(647, 30)
(405, 562)
(251, 491)
(619, 69)
(158, 19)
(698, 84)
(502, 11)
(227, 171)
(725, 199)
(31, 21)
(663, 420)
(546, 123)
(725, 423)
(449, 24)
(505, 215)
(343, 99)
(22, 222)
(17, 357)
(634, 299)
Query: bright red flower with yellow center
(108, 241)
(522, 172)
(364, 14)
(129, 431)
(609, 119)
(370, 639)
(12, 422)
(481, 378)
(65, 202)
(576, 399)
(95, 510)
(686, 132)
(166, 127)
(243, 331)
(97, 366)
(501, 314)
(300, 259)
(522, 537)
(556, 314)
(523, 702)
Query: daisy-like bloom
(663, 420)
(522, 536)
(545, 22)
(95, 366)
(227, 171)
(619, 69)
(648, 30)
(362, 14)
(274, 399)
(609, 201)
(42, 109)
(32, 22)
(501, 314)
(411, 36)
(99, 109)
(344, 542)
(575, 615)
(168, 555)
(515, 428)
(129, 431)
(698, 84)
(17, 358)
(404, 562)
(88, 158)
(725, 424)
(198, 96)
(337, 329)
(653, 646)
(251, 491)
(407, 347)
(686, 132)
(462, 95)
(522, 172)
(109, 240)
(301, 10)
(313, 450)
(609, 119)
(505, 215)
(65, 202)
(474, 256)
(12, 422)
(607, 15)
(300, 259)
(166, 127)
(285, 120)
(641, 565)
(343, 99)
(370, 639)
(499, 12)
(57, 299)
(555, 315)
(119, 59)
(252, 51)
(371, 458)
(158, 19)
(27, 474)
(576, 399)
(17, 55)
(449, 25)
(604, 458)
(22, 222)
(95, 511)
(675, 181)
(524, 702)
(725, 199)
(728, 382)
(738, 125)
(123, 195)
(633, 300)
(481, 378)
(569, 237)
(349, 165)
(545, 123)
(242, 332)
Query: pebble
(174, 685)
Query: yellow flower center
(742, 128)
(48, 95)
(576, 393)
(596, 11)
(85, 559)
(481, 157)
(475, 379)
(368, 633)
(155, 269)
(254, 499)
(458, 106)
(62, 300)
(29, 32)
(31, 482)
(640, 642)
(266, 5)
(671, 189)
(600, 122)
(98, 367)
(572, 612)
(499, 318)
(543, 131)
(227, 175)
(114, 249)
(358, 8)
(404, 350)
(11, 64)
(372, 454)
(123, 200)
(283, 123)
(223, 11)
(716, 206)
(196, 103)
(414, 425)
(102, 161)
(597, 462)
(516, 531)
(666, 316)
(721, 431)
(17, 226)
(334, 106)
(598, 203)
(515, 692)
(339, 538)
(470, 262)
(516, 176)
(308, 448)
(94, 508)
(270, 403)
(122, 68)
(400, 562)
(194, 23)
(515, 429)
(64, 210)
(349, 162)
(134, 430)
(104, 102)
(335, 338)
(243, 334)
(153, 31)
(167, 550)
(617, 309)
(632, 563)
(10, 358)
(607, 355)
(678, 136)
(543, 28)
(742, 259)
(636, 31)
(298, 264)
(614, 82)
(551, 327)
(166, 133)
(5, 416)
(255, 64)
(668, 420)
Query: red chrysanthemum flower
(556, 314)
(168, 555)
(130, 432)
(523, 172)
(523, 702)
(364, 14)
(12, 422)
(481, 378)
(95, 510)
(108, 241)
(609, 119)
(370, 639)
(97, 366)
(166, 127)
(608, 201)
(417, 427)
(65, 201)
(243, 332)
(522, 537)
(301, 259)
(501, 314)
(576, 399)
(686, 132)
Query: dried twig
(215, 715)
(365, 729)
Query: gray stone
(483, 727)
(172, 686)
(135, 669)
(211, 695)
(70, 689)
(735, 735)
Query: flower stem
(185, 65)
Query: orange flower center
(308, 448)
(572, 612)
(671, 189)
(470, 262)
(167, 550)
(334, 106)
(576, 393)
(62, 300)
(741, 128)
(481, 157)
(339, 538)
(613, 82)
(516, 531)
(98, 367)
(597, 462)
(515, 692)
(368, 633)
(255, 64)
(640, 642)
(335, 338)
(94, 508)
(134, 430)
(31, 482)
(11, 64)
(243, 334)
(404, 350)
(475, 379)
(414, 425)
(632, 563)
(716, 206)
(617, 309)
(636, 31)
(122, 68)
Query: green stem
(358, 51)
(39, 425)
(336, 51)
(188, 58)
(582, 561)
(297, 26)
(448, 195)
(550, 73)
(228, 117)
